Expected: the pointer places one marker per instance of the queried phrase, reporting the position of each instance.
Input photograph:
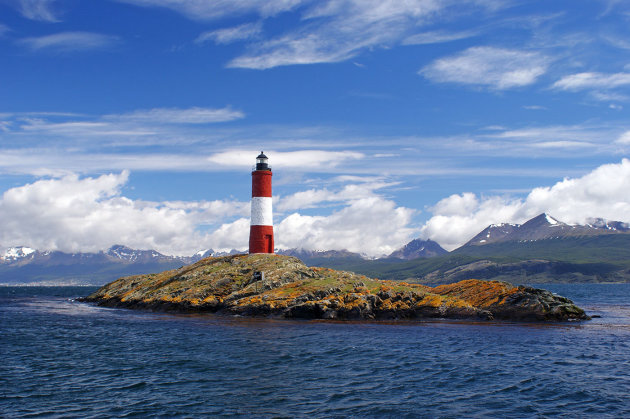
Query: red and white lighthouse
(261, 229)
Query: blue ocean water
(62, 358)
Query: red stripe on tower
(261, 228)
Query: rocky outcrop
(291, 289)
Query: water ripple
(66, 359)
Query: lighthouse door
(269, 243)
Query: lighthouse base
(261, 239)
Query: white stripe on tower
(262, 213)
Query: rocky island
(282, 286)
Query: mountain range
(542, 249)
(542, 227)
(25, 265)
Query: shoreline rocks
(227, 285)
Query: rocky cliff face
(293, 290)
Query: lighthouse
(261, 227)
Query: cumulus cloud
(583, 81)
(92, 214)
(89, 214)
(600, 193)
(497, 68)
(374, 226)
(69, 42)
(229, 35)
(624, 138)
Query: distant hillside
(541, 250)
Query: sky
(137, 122)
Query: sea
(63, 358)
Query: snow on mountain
(493, 233)
(418, 248)
(204, 253)
(13, 254)
(128, 254)
(551, 220)
(603, 224)
(544, 226)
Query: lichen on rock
(293, 290)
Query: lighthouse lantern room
(261, 228)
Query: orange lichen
(478, 293)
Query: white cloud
(297, 48)
(140, 123)
(497, 68)
(600, 193)
(69, 41)
(82, 129)
(374, 226)
(3, 29)
(314, 198)
(624, 138)
(37, 9)
(561, 136)
(436, 37)
(337, 30)
(91, 214)
(229, 35)
(583, 81)
(209, 10)
(308, 159)
(194, 115)
(234, 235)
(564, 144)
(329, 31)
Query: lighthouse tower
(261, 229)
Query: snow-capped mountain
(544, 226)
(418, 248)
(128, 254)
(493, 233)
(13, 254)
(117, 253)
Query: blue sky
(137, 121)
